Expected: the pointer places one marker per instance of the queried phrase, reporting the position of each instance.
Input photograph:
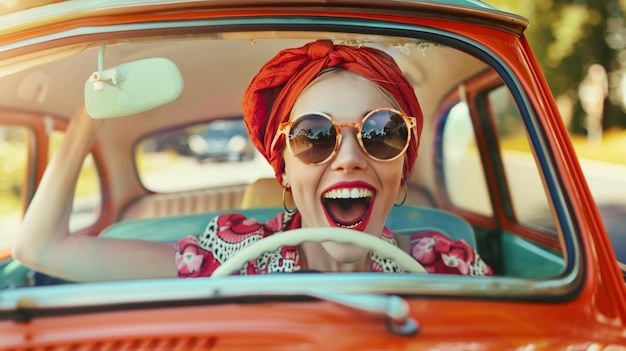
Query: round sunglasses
(384, 134)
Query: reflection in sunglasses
(314, 138)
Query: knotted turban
(271, 95)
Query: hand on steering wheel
(318, 235)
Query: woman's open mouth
(348, 207)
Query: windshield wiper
(393, 310)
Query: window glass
(462, 167)
(86, 207)
(13, 174)
(517, 254)
(203, 155)
(530, 202)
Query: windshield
(482, 188)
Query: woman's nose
(349, 156)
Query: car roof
(471, 11)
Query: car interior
(477, 175)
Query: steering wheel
(318, 235)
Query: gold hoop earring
(406, 190)
(289, 210)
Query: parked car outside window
(225, 140)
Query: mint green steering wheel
(318, 235)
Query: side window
(464, 170)
(489, 172)
(14, 172)
(464, 178)
(86, 207)
(528, 196)
(20, 148)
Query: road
(608, 186)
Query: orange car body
(590, 314)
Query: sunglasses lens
(385, 134)
(312, 138)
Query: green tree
(568, 36)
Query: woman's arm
(44, 242)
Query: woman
(339, 124)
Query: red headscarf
(274, 90)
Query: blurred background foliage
(581, 47)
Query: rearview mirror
(132, 87)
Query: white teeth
(349, 226)
(348, 193)
(354, 193)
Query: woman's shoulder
(439, 253)
(241, 227)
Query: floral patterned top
(227, 234)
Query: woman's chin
(345, 253)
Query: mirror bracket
(99, 79)
(102, 77)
